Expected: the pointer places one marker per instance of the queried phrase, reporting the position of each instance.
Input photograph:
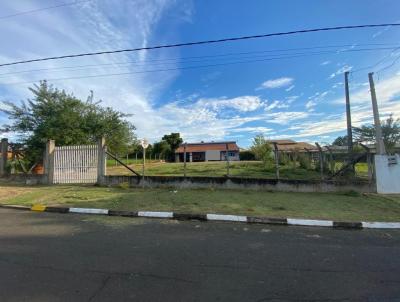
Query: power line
(383, 59)
(184, 59)
(168, 69)
(200, 58)
(232, 39)
(42, 9)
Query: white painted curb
(310, 222)
(226, 217)
(156, 214)
(88, 211)
(381, 225)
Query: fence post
(4, 155)
(276, 160)
(227, 160)
(49, 160)
(321, 160)
(184, 160)
(102, 160)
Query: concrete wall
(241, 183)
(387, 176)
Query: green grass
(350, 207)
(253, 169)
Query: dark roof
(208, 146)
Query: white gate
(75, 164)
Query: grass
(349, 207)
(243, 169)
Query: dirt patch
(11, 192)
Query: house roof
(208, 146)
(291, 145)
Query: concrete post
(102, 159)
(184, 160)
(4, 155)
(227, 160)
(190, 157)
(276, 160)
(49, 160)
(321, 160)
(380, 146)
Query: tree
(390, 133)
(54, 114)
(173, 140)
(261, 149)
(340, 141)
(162, 148)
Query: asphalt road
(67, 257)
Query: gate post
(102, 160)
(48, 162)
(4, 155)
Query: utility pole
(348, 114)
(380, 146)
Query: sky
(287, 87)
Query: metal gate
(75, 164)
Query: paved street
(56, 257)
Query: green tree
(340, 141)
(261, 149)
(173, 140)
(390, 133)
(162, 148)
(54, 114)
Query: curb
(213, 217)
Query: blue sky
(282, 87)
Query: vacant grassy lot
(243, 168)
(349, 206)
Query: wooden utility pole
(380, 146)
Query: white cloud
(325, 63)
(289, 88)
(285, 117)
(276, 104)
(259, 129)
(310, 104)
(276, 83)
(242, 103)
(341, 71)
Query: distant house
(288, 146)
(213, 151)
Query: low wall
(241, 183)
(387, 174)
(30, 179)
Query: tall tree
(340, 141)
(173, 140)
(390, 133)
(261, 149)
(55, 114)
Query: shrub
(247, 155)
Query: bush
(304, 161)
(247, 155)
